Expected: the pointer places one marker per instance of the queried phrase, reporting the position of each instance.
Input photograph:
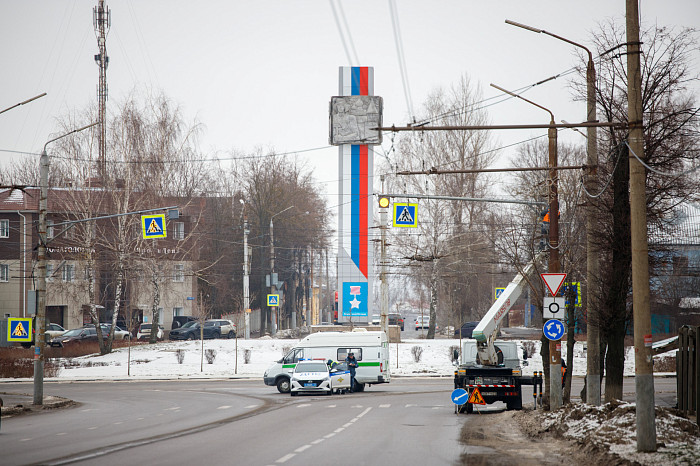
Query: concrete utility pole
(102, 20)
(384, 290)
(39, 342)
(644, 370)
(246, 274)
(555, 395)
(592, 250)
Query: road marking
(117, 423)
(25, 440)
(315, 442)
(339, 430)
(385, 406)
(348, 424)
(172, 409)
(61, 433)
(251, 406)
(140, 418)
(332, 434)
(364, 412)
(92, 428)
(331, 406)
(357, 406)
(286, 458)
(303, 405)
(300, 449)
(224, 407)
(410, 406)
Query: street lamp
(273, 286)
(24, 102)
(39, 342)
(555, 395)
(592, 256)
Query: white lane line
(385, 406)
(364, 412)
(300, 449)
(173, 408)
(410, 406)
(332, 434)
(61, 433)
(140, 418)
(117, 423)
(339, 430)
(224, 407)
(347, 424)
(25, 440)
(331, 406)
(315, 442)
(303, 405)
(357, 406)
(92, 428)
(251, 406)
(286, 458)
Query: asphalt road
(410, 421)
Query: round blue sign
(459, 396)
(553, 329)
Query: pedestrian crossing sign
(476, 398)
(405, 215)
(19, 329)
(273, 300)
(153, 226)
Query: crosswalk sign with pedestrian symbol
(273, 300)
(153, 226)
(405, 215)
(19, 329)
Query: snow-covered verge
(160, 360)
(610, 431)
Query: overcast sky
(261, 73)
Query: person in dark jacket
(352, 366)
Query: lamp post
(555, 394)
(592, 250)
(39, 343)
(273, 285)
(23, 102)
(246, 273)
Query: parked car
(54, 331)
(422, 322)
(119, 333)
(376, 319)
(144, 332)
(222, 327)
(179, 321)
(311, 377)
(191, 331)
(73, 336)
(396, 319)
(466, 329)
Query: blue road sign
(459, 396)
(273, 300)
(405, 215)
(553, 329)
(19, 329)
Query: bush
(529, 348)
(19, 363)
(451, 354)
(210, 354)
(246, 356)
(180, 355)
(417, 352)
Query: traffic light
(384, 202)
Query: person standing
(352, 366)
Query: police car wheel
(283, 385)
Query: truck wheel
(359, 387)
(283, 385)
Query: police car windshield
(311, 367)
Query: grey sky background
(261, 73)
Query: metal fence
(688, 369)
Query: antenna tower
(101, 19)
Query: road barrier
(688, 370)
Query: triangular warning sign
(405, 216)
(553, 281)
(153, 227)
(476, 398)
(19, 330)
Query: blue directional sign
(553, 329)
(459, 396)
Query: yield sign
(553, 281)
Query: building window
(49, 229)
(4, 273)
(68, 272)
(179, 275)
(49, 272)
(179, 232)
(4, 228)
(178, 311)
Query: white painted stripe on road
(303, 405)
(286, 458)
(251, 406)
(331, 406)
(364, 412)
(224, 407)
(339, 430)
(61, 433)
(300, 449)
(118, 422)
(410, 406)
(140, 418)
(385, 406)
(357, 406)
(332, 434)
(25, 440)
(92, 428)
(317, 441)
(348, 424)
(172, 409)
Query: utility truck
(495, 371)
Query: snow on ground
(160, 360)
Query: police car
(314, 376)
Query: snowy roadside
(159, 361)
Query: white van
(371, 351)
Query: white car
(422, 322)
(54, 331)
(311, 377)
(144, 332)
